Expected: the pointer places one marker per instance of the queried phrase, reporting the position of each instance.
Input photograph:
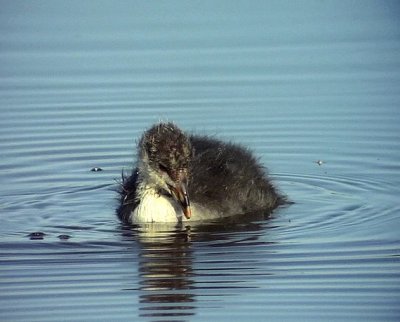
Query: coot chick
(180, 177)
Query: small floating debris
(96, 169)
(320, 162)
(64, 237)
(37, 235)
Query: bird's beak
(181, 195)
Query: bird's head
(165, 154)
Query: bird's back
(225, 177)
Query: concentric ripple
(332, 205)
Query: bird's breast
(154, 207)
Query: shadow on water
(168, 279)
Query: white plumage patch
(156, 208)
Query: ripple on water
(332, 205)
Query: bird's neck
(147, 180)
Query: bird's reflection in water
(167, 280)
(165, 269)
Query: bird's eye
(162, 167)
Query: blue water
(312, 87)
